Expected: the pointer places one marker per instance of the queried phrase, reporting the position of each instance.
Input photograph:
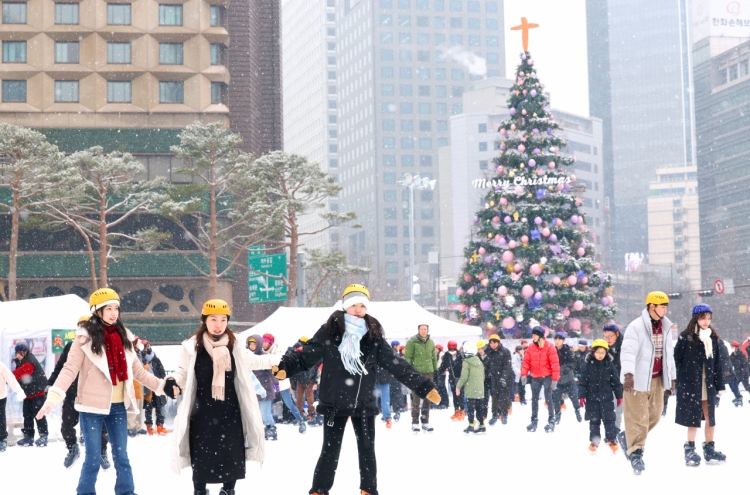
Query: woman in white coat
(218, 425)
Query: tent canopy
(400, 320)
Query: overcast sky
(558, 47)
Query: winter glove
(582, 402)
(629, 383)
(434, 396)
(279, 374)
(554, 386)
(619, 402)
(503, 383)
(169, 388)
(523, 381)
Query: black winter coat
(344, 394)
(452, 367)
(497, 367)
(726, 364)
(599, 384)
(614, 351)
(690, 363)
(567, 364)
(739, 362)
(580, 361)
(37, 381)
(72, 392)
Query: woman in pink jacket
(102, 357)
(542, 363)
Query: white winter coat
(516, 364)
(7, 378)
(252, 424)
(637, 353)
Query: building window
(389, 160)
(14, 52)
(389, 196)
(456, 23)
(407, 107)
(457, 91)
(405, 89)
(404, 21)
(493, 58)
(456, 6)
(457, 108)
(389, 177)
(171, 92)
(425, 161)
(427, 213)
(441, 108)
(389, 142)
(66, 13)
(66, 91)
(119, 92)
(118, 53)
(439, 5)
(389, 125)
(404, 72)
(332, 119)
(475, 40)
(424, 90)
(331, 60)
(14, 91)
(491, 7)
(442, 126)
(425, 143)
(404, 38)
(474, 24)
(333, 163)
(428, 230)
(391, 267)
(473, 6)
(442, 142)
(388, 107)
(391, 249)
(483, 146)
(407, 125)
(331, 46)
(386, 72)
(386, 20)
(118, 14)
(218, 54)
(218, 93)
(423, 73)
(441, 91)
(423, 56)
(425, 126)
(407, 160)
(386, 37)
(386, 54)
(482, 128)
(66, 52)
(423, 4)
(407, 143)
(404, 55)
(170, 53)
(425, 108)
(387, 90)
(170, 15)
(15, 13)
(457, 40)
(439, 39)
(440, 74)
(218, 16)
(439, 22)
(330, 31)
(457, 74)
(331, 75)
(423, 21)
(492, 41)
(333, 148)
(391, 230)
(491, 24)
(332, 104)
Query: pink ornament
(508, 256)
(525, 91)
(485, 282)
(598, 266)
(573, 178)
(481, 276)
(509, 322)
(527, 291)
(513, 127)
(559, 187)
(500, 170)
(556, 280)
(545, 232)
(467, 278)
(581, 251)
(486, 305)
(539, 171)
(503, 131)
(518, 190)
(461, 308)
(578, 305)
(535, 269)
(471, 290)
(498, 236)
(515, 277)
(496, 219)
(503, 201)
(482, 250)
(558, 222)
(566, 312)
(523, 112)
(524, 239)
(579, 201)
(521, 148)
(611, 300)
(512, 244)
(572, 280)
(502, 290)
(574, 324)
(460, 292)
(517, 267)
(585, 280)
(551, 164)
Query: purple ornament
(523, 56)
(549, 131)
(532, 162)
(486, 305)
(512, 111)
(534, 130)
(476, 219)
(605, 301)
(552, 293)
(535, 235)
(538, 220)
(553, 238)
(502, 146)
(574, 219)
(538, 296)
(541, 193)
(489, 260)
(584, 245)
(536, 151)
(506, 219)
(502, 241)
(532, 92)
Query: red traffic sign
(719, 287)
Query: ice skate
(613, 445)
(532, 426)
(550, 427)
(131, 433)
(623, 443)
(636, 462)
(711, 455)
(691, 456)
(302, 427)
(504, 420)
(396, 416)
(481, 430)
(161, 431)
(523, 402)
(224, 491)
(41, 441)
(26, 441)
(456, 416)
(427, 428)
(493, 420)
(150, 430)
(271, 433)
(415, 429)
(593, 446)
(73, 454)
(104, 461)
(469, 429)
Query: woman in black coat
(352, 346)
(699, 378)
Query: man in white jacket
(648, 370)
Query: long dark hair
(96, 333)
(335, 327)
(689, 331)
(203, 329)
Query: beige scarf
(219, 353)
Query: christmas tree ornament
(524, 239)
(509, 300)
(527, 291)
(460, 292)
(503, 131)
(509, 322)
(482, 250)
(572, 280)
(470, 291)
(532, 163)
(502, 290)
(486, 305)
(535, 269)
(512, 244)
(578, 305)
(545, 232)
(553, 238)
(473, 312)
(508, 256)
(551, 164)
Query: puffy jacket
(264, 376)
(497, 367)
(580, 361)
(453, 366)
(598, 383)
(421, 354)
(567, 364)
(472, 378)
(541, 361)
(344, 394)
(637, 353)
(517, 363)
(739, 362)
(30, 376)
(615, 350)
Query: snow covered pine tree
(531, 256)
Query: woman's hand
(171, 389)
(45, 410)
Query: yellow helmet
(83, 318)
(356, 288)
(657, 297)
(481, 344)
(216, 307)
(303, 339)
(600, 343)
(102, 297)
(494, 336)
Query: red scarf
(118, 366)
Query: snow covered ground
(445, 462)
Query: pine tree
(530, 260)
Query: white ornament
(543, 260)
(510, 301)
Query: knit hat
(560, 335)
(22, 347)
(583, 343)
(519, 348)
(735, 344)
(395, 342)
(611, 327)
(538, 331)
(355, 294)
(267, 337)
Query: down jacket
(541, 362)
(252, 424)
(567, 364)
(497, 367)
(421, 354)
(637, 353)
(472, 378)
(598, 384)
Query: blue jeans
(384, 392)
(266, 412)
(117, 429)
(286, 396)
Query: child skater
(472, 381)
(352, 346)
(699, 377)
(598, 383)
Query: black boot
(104, 461)
(493, 420)
(73, 454)
(558, 417)
(41, 441)
(623, 443)
(578, 415)
(532, 426)
(550, 427)
(201, 492)
(469, 429)
(636, 462)
(691, 456)
(711, 454)
(26, 441)
(225, 491)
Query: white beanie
(353, 298)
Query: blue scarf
(356, 328)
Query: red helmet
(268, 338)
(452, 344)
(439, 347)
(735, 344)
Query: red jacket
(541, 361)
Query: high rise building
(639, 79)
(474, 144)
(403, 66)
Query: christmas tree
(530, 260)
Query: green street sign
(453, 299)
(261, 287)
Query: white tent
(34, 320)
(399, 319)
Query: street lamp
(413, 182)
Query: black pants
(458, 400)
(745, 384)
(476, 407)
(3, 423)
(325, 470)
(440, 385)
(398, 402)
(570, 388)
(148, 406)
(201, 487)
(610, 430)
(69, 422)
(536, 386)
(500, 402)
(734, 386)
(521, 390)
(30, 409)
